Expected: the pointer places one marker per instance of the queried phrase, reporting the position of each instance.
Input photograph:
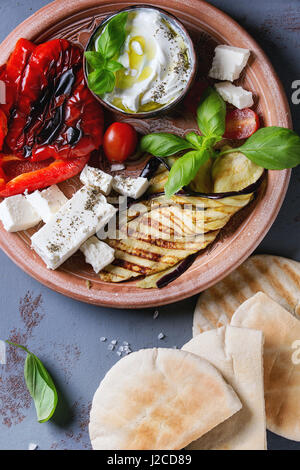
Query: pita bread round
(281, 361)
(238, 355)
(277, 277)
(159, 399)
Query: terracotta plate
(75, 20)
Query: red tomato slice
(120, 141)
(241, 123)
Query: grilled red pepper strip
(47, 63)
(3, 127)
(52, 115)
(12, 73)
(83, 129)
(56, 172)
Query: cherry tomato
(241, 123)
(120, 141)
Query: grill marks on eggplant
(154, 240)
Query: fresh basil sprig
(186, 167)
(102, 78)
(39, 384)
(273, 148)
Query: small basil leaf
(102, 81)
(113, 36)
(273, 148)
(41, 387)
(163, 144)
(39, 384)
(114, 66)
(94, 59)
(211, 114)
(184, 170)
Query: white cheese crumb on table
(155, 314)
(235, 95)
(130, 187)
(228, 62)
(16, 214)
(95, 177)
(161, 335)
(47, 202)
(103, 339)
(32, 446)
(97, 253)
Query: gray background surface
(65, 333)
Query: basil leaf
(211, 114)
(114, 66)
(94, 59)
(273, 148)
(102, 81)
(112, 38)
(39, 384)
(163, 144)
(184, 170)
(41, 387)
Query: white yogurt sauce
(157, 63)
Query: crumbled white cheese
(17, 214)
(97, 253)
(103, 339)
(228, 62)
(47, 202)
(155, 314)
(235, 95)
(2, 352)
(96, 177)
(130, 187)
(85, 213)
(161, 335)
(117, 167)
(32, 446)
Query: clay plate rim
(226, 257)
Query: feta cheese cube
(17, 214)
(85, 213)
(228, 62)
(95, 177)
(97, 253)
(130, 187)
(47, 202)
(235, 95)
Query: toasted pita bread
(238, 355)
(277, 277)
(281, 361)
(159, 399)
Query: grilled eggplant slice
(155, 241)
